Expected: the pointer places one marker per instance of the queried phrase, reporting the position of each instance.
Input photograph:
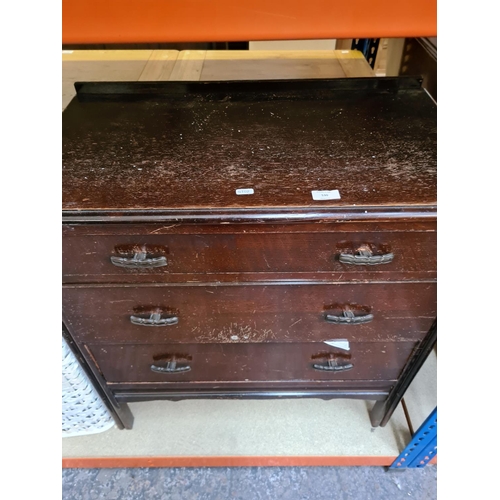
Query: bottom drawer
(177, 363)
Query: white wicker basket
(83, 411)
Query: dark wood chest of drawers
(250, 239)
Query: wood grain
(353, 63)
(377, 148)
(159, 66)
(253, 362)
(101, 65)
(250, 314)
(261, 65)
(188, 65)
(222, 251)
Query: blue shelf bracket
(422, 448)
(369, 48)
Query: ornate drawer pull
(364, 257)
(170, 367)
(331, 365)
(139, 260)
(154, 319)
(348, 318)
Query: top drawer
(204, 253)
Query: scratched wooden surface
(196, 252)
(214, 362)
(226, 314)
(377, 148)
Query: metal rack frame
(422, 448)
(157, 21)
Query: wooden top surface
(190, 147)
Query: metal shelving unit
(156, 21)
(422, 448)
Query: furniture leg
(383, 410)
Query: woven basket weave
(83, 411)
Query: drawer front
(250, 362)
(250, 314)
(95, 255)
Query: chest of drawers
(250, 239)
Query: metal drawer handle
(154, 319)
(170, 367)
(331, 365)
(364, 257)
(139, 260)
(348, 318)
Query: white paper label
(326, 195)
(339, 343)
(244, 191)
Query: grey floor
(248, 483)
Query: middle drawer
(250, 313)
